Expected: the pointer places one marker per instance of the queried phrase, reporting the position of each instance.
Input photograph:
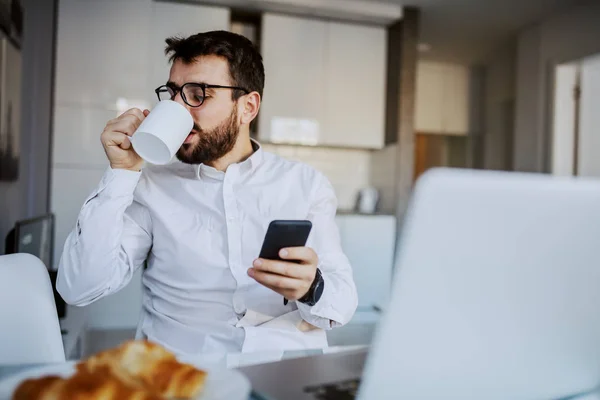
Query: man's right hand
(115, 139)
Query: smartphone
(284, 233)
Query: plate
(221, 384)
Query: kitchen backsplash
(349, 170)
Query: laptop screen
(34, 236)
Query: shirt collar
(247, 166)
(257, 157)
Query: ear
(250, 107)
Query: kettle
(367, 200)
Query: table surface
(246, 359)
(8, 370)
(231, 360)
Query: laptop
(496, 295)
(33, 236)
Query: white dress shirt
(198, 231)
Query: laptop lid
(496, 292)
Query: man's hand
(116, 142)
(292, 276)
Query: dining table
(237, 360)
(208, 361)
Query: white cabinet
(293, 51)
(455, 113)
(429, 102)
(442, 99)
(325, 82)
(355, 88)
(369, 242)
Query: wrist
(118, 182)
(314, 293)
(135, 168)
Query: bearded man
(196, 225)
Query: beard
(213, 144)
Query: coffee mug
(162, 132)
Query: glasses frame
(203, 86)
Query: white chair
(29, 327)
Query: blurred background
(370, 92)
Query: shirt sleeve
(339, 299)
(110, 241)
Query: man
(198, 224)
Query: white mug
(162, 132)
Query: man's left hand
(292, 276)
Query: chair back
(30, 330)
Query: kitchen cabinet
(293, 51)
(369, 243)
(355, 89)
(429, 103)
(325, 82)
(455, 113)
(442, 99)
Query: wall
(528, 144)
(589, 118)
(404, 37)
(382, 178)
(92, 87)
(28, 196)
(349, 170)
(498, 113)
(569, 35)
(564, 116)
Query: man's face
(216, 123)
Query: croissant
(83, 385)
(148, 365)
(136, 370)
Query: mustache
(196, 128)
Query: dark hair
(245, 62)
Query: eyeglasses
(192, 93)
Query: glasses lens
(165, 93)
(194, 95)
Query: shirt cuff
(118, 182)
(323, 314)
